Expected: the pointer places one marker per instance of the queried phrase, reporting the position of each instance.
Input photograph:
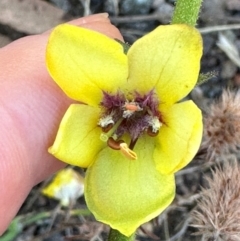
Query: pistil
(109, 130)
(127, 152)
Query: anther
(106, 121)
(154, 126)
(127, 152)
(150, 132)
(107, 128)
(130, 108)
(115, 145)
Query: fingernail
(105, 15)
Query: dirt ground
(219, 24)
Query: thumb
(32, 106)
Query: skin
(31, 107)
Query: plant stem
(186, 11)
(20, 222)
(114, 235)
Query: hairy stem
(114, 235)
(186, 11)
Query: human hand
(31, 107)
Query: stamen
(150, 132)
(107, 128)
(127, 152)
(123, 147)
(106, 135)
(115, 145)
(106, 121)
(155, 124)
(122, 116)
(130, 108)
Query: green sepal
(115, 235)
(125, 46)
(203, 78)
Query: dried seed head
(222, 126)
(218, 214)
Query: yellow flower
(67, 186)
(131, 133)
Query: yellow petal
(67, 186)
(78, 138)
(84, 62)
(126, 193)
(167, 59)
(179, 137)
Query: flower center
(121, 116)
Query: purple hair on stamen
(138, 119)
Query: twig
(97, 233)
(189, 200)
(202, 167)
(166, 228)
(182, 230)
(86, 5)
(115, 6)
(218, 28)
(127, 19)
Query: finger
(31, 107)
(95, 22)
(100, 17)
